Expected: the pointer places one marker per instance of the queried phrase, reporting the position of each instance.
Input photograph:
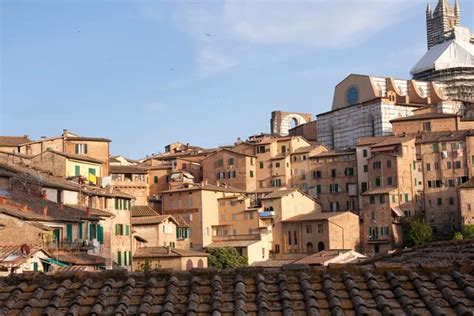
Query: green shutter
(35, 266)
(116, 203)
(124, 258)
(127, 230)
(100, 234)
(69, 232)
(116, 229)
(92, 171)
(129, 258)
(119, 258)
(91, 231)
(77, 170)
(79, 229)
(185, 233)
(155, 179)
(56, 234)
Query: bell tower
(440, 22)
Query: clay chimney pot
(45, 211)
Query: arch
(321, 246)
(309, 247)
(288, 121)
(189, 264)
(200, 263)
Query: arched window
(200, 263)
(352, 95)
(321, 246)
(309, 247)
(189, 264)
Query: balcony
(267, 214)
(378, 240)
(65, 245)
(236, 237)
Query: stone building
(281, 122)
(363, 106)
(446, 160)
(132, 180)
(307, 130)
(11, 144)
(466, 202)
(333, 180)
(391, 193)
(230, 167)
(168, 258)
(70, 143)
(431, 122)
(316, 231)
(198, 205)
(440, 22)
(301, 176)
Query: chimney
(3, 200)
(88, 211)
(25, 208)
(61, 206)
(45, 211)
(44, 195)
(218, 183)
(168, 249)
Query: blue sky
(148, 73)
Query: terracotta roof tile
(13, 140)
(298, 291)
(143, 210)
(127, 169)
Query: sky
(148, 73)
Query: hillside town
(334, 188)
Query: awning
(398, 211)
(56, 262)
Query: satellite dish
(25, 250)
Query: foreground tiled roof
(443, 136)
(456, 253)
(164, 252)
(299, 291)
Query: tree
(225, 257)
(417, 232)
(468, 231)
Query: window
(389, 181)
(406, 197)
(251, 173)
(428, 167)
(77, 171)
(364, 186)
(251, 161)
(377, 164)
(118, 229)
(366, 168)
(435, 148)
(289, 237)
(427, 126)
(451, 201)
(364, 153)
(439, 201)
(334, 187)
(318, 188)
(334, 206)
(457, 165)
(283, 149)
(309, 229)
(220, 162)
(81, 149)
(260, 149)
(317, 174)
(277, 165)
(320, 228)
(372, 199)
(349, 172)
(234, 217)
(294, 237)
(277, 248)
(389, 164)
(261, 164)
(127, 230)
(394, 198)
(231, 161)
(333, 173)
(382, 199)
(436, 165)
(377, 182)
(119, 258)
(384, 230)
(448, 164)
(275, 183)
(352, 95)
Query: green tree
(417, 232)
(458, 236)
(225, 257)
(468, 231)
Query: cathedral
(450, 55)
